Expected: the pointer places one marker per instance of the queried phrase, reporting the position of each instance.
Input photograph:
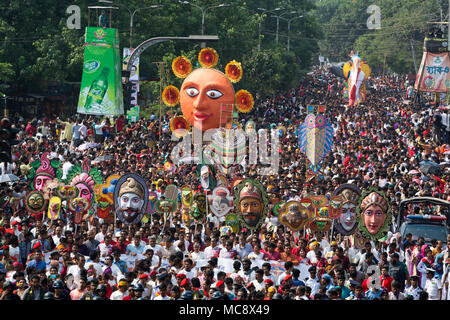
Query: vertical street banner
(133, 114)
(434, 73)
(134, 74)
(101, 85)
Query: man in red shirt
(386, 279)
(271, 254)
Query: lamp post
(260, 19)
(278, 22)
(131, 15)
(204, 10)
(289, 30)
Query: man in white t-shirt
(122, 292)
(152, 245)
(57, 236)
(75, 270)
(101, 235)
(259, 280)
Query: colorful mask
(84, 179)
(130, 198)
(346, 223)
(79, 207)
(220, 201)
(54, 207)
(294, 215)
(373, 214)
(104, 207)
(250, 201)
(50, 188)
(232, 221)
(206, 175)
(35, 202)
(335, 207)
(43, 170)
(186, 196)
(207, 96)
(165, 207)
(67, 192)
(198, 208)
(106, 189)
(151, 202)
(225, 230)
(186, 216)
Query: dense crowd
(378, 143)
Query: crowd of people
(377, 143)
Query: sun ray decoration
(171, 96)
(244, 101)
(181, 67)
(233, 70)
(208, 58)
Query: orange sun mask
(205, 91)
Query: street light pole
(131, 15)
(260, 20)
(131, 20)
(278, 22)
(204, 10)
(289, 30)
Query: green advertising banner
(101, 85)
(133, 114)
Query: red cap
(143, 276)
(220, 283)
(37, 245)
(14, 223)
(66, 250)
(184, 282)
(270, 282)
(180, 276)
(153, 273)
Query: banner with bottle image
(101, 85)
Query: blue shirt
(373, 295)
(133, 249)
(41, 265)
(345, 291)
(297, 282)
(75, 132)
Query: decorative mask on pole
(35, 201)
(373, 214)
(84, 179)
(250, 201)
(198, 208)
(220, 201)
(43, 170)
(79, 207)
(54, 208)
(294, 215)
(50, 188)
(130, 198)
(346, 223)
(66, 192)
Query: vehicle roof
(425, 199)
